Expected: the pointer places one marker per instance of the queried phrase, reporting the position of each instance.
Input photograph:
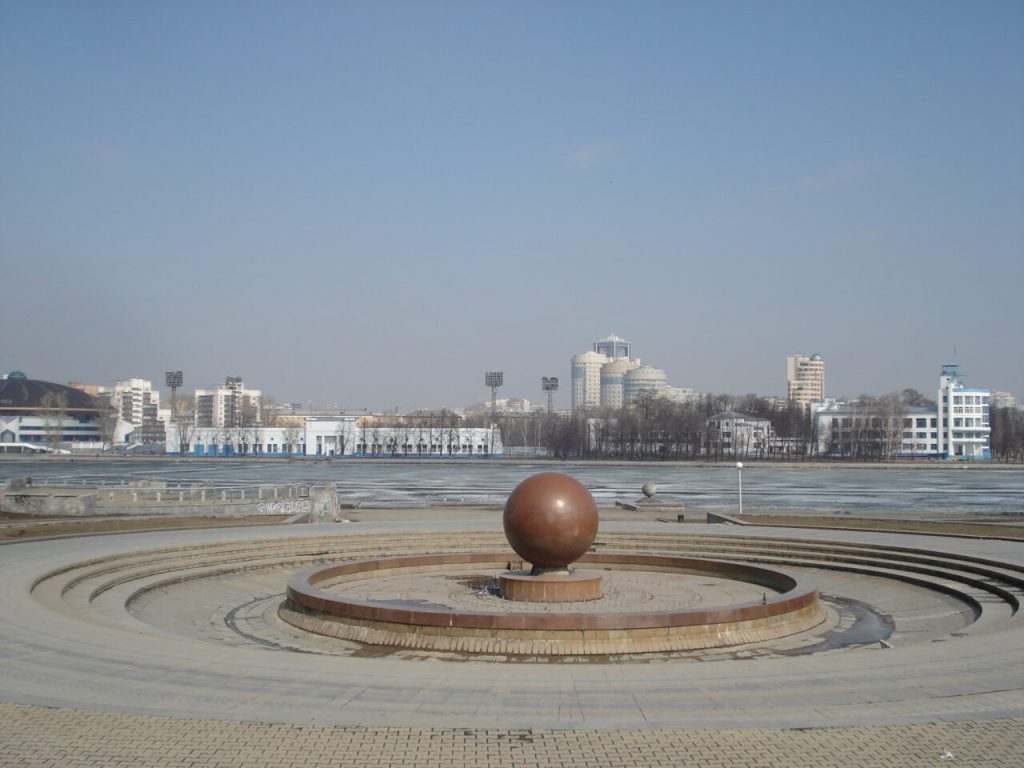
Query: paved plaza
(161, 648)
(73, 738)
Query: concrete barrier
(49, 502)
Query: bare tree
(269, 416)
(1007, 437)
(54, 407)
(890, 410)
(452, 432)
(400, 439)
(107, 419)
(291, 435)
(185, 420)
(340, 438)
(248, 429)
(912, 397)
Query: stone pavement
(34, 737)
(87, 682)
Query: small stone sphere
(550, 520)
(649, 489)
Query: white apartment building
(341, 436)
(741, 435)
(679, 394)
(586, 380)
(228, 405)
(136, 402)
(515, 405)
(609, 377)
(805, 377)
(964, 431)
(129, 397)
(855, 430)
(612, 375)
(645, 378)
(957, 427)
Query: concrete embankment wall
(49, 503)
(321, 502)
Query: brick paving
(36, 737)
(955, 699)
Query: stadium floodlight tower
(174, 379)
(549, 384)
(494, 379)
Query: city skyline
(374, 205)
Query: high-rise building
(613, 347)
(964, 427)
(611, 381)
(230, 405)
(806, 378)
(586, 380)
(135, 401)
(645, 378)
(610, 377)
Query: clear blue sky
(374, 203)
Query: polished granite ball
(550, 520)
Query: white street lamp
(739, 479)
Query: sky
(370, 204)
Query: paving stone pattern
(90, 678)
(35, 737)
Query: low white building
(679, 394)
(739, 434)
(857, 430)
(340, 436)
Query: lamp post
(739, 480)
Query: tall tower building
(613, 347)
(806, 378)
(135, 401)
(586, 380)
(643, 378)
(130, 398)
(231, 405)
(964, 429)
(612, 381)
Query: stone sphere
(649, 489)
(550, 520)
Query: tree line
(654, 428)
(657, 428)
(1007, 434)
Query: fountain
(626, 603)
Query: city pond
(855, 489)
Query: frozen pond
(855, 489)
